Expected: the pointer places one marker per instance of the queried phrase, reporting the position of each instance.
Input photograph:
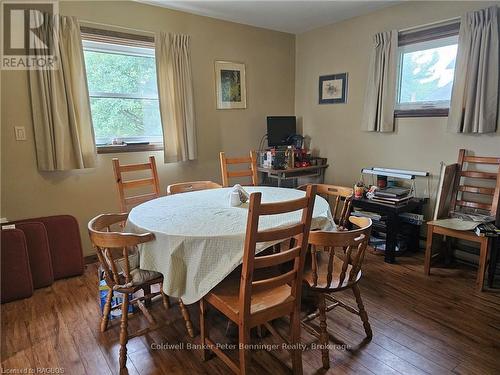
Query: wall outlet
(20, 133)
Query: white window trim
(89, 45)
(419, 46)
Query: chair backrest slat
(126, 202)
(299, 231)
(251, 161)
(185, 187)
(476, 195)
(339, 199)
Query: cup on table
(234, 199)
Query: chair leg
(165, 299)
(483, 260)
(323, 336)
(147, 290)
(244, 353)
(203, 330)
(295, 341)
(362, 311)
(106, 311)
(187, 318)
(124, 332)
(428, 250)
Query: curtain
(62, 122)
(175, 92)
(474, 103)
(380, 94)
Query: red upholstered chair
(16, 282)
(40, 262)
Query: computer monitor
(279, 128)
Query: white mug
(234, 199)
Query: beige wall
(419, 143)
(269, 59)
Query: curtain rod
(441, 22)
(115, 26)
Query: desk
(294, 173)
(393, 221)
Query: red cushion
(64, 243)
(16, 282)
(38, 252)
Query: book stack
(392, 195)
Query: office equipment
(280, 129)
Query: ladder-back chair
(250, 299)
(470, 192)
(127, 202)
(250, 172)
(184, 187)
(336, 259)
(122, 276)
(340, 200)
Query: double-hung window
(121, 75)
(426, 68)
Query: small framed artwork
(333, 88)
(230, 85)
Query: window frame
(430, 36)
(129, 44)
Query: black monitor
(279, 128)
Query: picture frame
(230, 85)
(333, 88)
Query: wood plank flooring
(421, 325)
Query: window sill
(429, 112)
(114, 149)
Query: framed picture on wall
(333, 88)
(230, 85)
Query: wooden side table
(313, 171)
(393, 221)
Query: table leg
(391, 239)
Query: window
(123, 93)
(426, 67)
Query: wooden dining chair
(250, 299)
(470, 192)
(340, 200)
(250, 172)
(184, 187)
(122, 275)
(335, 265)
(127, 202)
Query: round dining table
(199, 237)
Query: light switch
(20, 133)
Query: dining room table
(199, 236)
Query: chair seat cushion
(16, 282)
(140, 276)
(226, 294)
(322, 274)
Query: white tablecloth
(199, 238)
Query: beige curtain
(380, 94)
(64, 136)
(474, 103)
(175, 91)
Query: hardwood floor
(435, 325)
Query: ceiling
(288, 16)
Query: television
(279, 129)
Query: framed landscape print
(230, 85)
(333, 88)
